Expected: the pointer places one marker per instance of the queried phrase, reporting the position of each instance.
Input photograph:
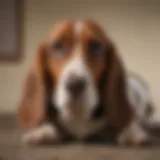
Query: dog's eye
(59, 50)
(95, 49)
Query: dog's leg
(46, 133)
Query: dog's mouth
(76, 101)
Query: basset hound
(78, 86)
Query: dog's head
(77, 69)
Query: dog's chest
(80, 126)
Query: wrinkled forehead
(77, 31)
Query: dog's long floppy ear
(118, 109)
(31, 110)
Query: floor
(12, 149)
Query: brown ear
(118, 109)
(31, 110)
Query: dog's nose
(76, 85)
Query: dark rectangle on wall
(10, 29)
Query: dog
(78, 85)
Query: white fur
(79, 28)
(139, 97)
(44, 132)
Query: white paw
(132, 135)
(43, 134)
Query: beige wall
(134, 26)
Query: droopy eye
(59, 50)
(95, 49)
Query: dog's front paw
(137, 139)
(133, 135)
(45, 134)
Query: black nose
(76, 85)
